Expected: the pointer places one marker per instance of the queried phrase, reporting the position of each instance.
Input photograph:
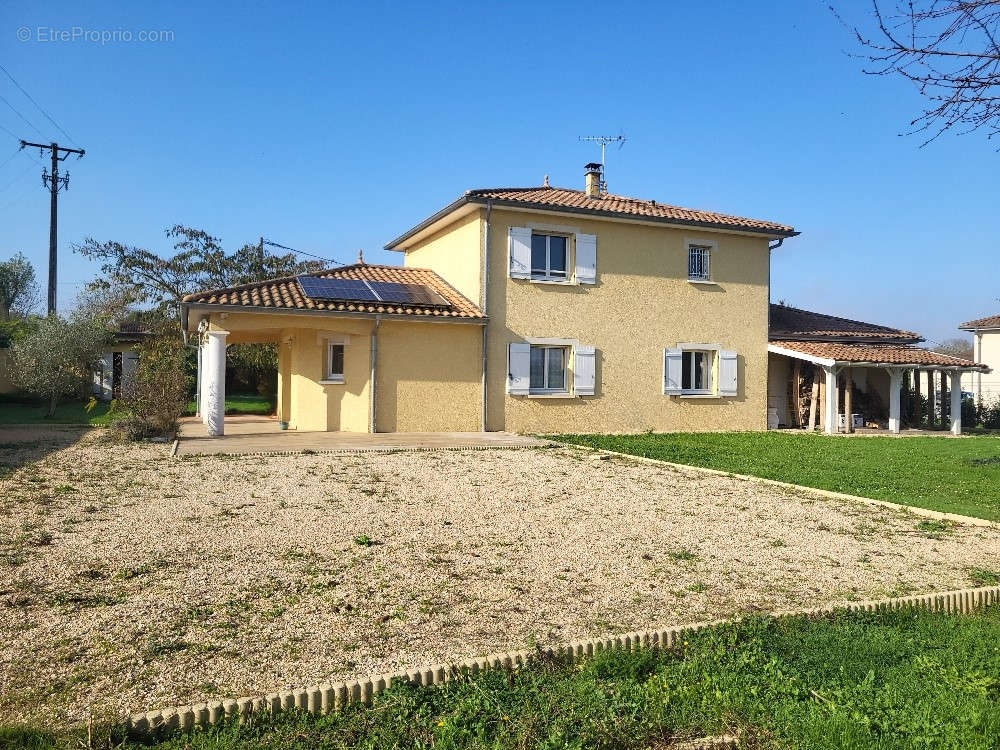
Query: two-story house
(537, 309)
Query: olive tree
(55, 358)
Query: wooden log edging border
(323, 698)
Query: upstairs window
(549, 256)
(698, 258)
(548, 369)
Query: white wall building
(986, 348)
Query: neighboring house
(118, 362)
(815, 357)
(986, 348)
(597, 313)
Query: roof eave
(187, 307)
(482, 200)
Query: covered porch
(864, 388)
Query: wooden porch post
(944, 399)
(932, 400)
(797, 393)
(814, 400)
(822, 401)
(848, 400)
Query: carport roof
(832, 352)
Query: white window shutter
(584, 370)
(673, 361)
(728, 373)
(586, 258)
(519, 251)
(518, 369)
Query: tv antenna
(604, 140)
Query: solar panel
(341, 289)
(408, 294)
(356, 290)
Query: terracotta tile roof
(621, 205)
(993, 321)
(794, 323)
(880, 353)
(286, 294)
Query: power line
(10, 158)
(303, 252)
(10, 132)
(17, 179)
(37, 105)
(14, 110)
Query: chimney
(593, 180)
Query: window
(548, 256)
(698, 256)
(696, 371)
(335, 363)
(548, 369)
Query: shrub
(990, 414)
(154, 398)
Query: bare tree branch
(949, 50)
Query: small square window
(549, 256)
(698, 262)
(548, 369)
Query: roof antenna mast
(604, 140)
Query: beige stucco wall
(454, 253)
(429, 373)
(642, 303)
(429, 377)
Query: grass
(955, 476)
(67, 412)
(903, 679)
(242, 403)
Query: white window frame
(711, 372)
(567, 352)
(708, 248)
(329, 341)
(548, 276)
(712, 349)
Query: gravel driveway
(130, 580)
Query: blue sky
(331, 127)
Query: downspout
(371, 387)
(486, 291)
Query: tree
(956, 347)
(950, 50)
(19, 294)
(58, 354)
(57, 357)
(199, 262)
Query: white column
(895, 384)
(214, 383)
(977, 377)
(200, 390)
(956, 402)
(830, 401)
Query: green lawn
(67, 412)
(242, 403)
(956, 476)
(902, 679)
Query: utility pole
(54, 181)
